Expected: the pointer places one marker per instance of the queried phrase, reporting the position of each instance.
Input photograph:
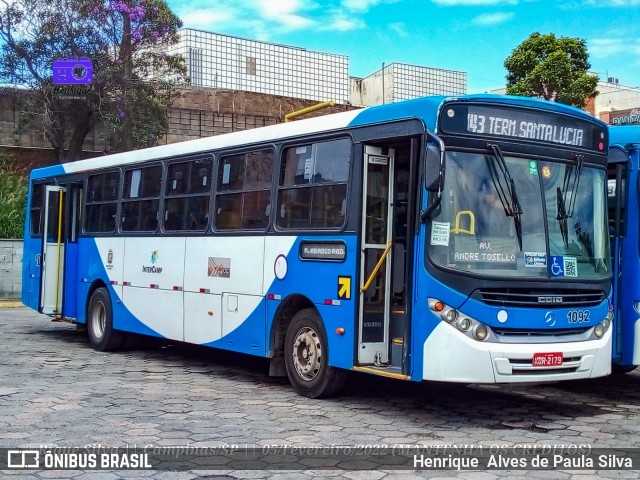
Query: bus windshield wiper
(570, 183)
(506, 189)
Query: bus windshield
(475, 231)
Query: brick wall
(195, 113)
(10, 269)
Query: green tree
(125, 40)
(552, 68)
(13, 199)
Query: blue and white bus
(624, 198)
(450, 239)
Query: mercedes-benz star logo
(550, 319)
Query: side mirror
(434, 163)
(617, 154)
(433, 172)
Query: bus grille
(515, 297)
(537, 333)
(524, 367)
(516, 335)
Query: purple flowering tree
(134, 73)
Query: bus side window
(244, 190)
(101, 202)
(313, 185)
(36, 209)
(141, 202)
(186, 205)
(614, 191)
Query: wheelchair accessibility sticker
(563, 266)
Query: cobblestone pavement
(57, 391)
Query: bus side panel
(243, 320)
(627, 320)
(31, 271)
(103, 259)
(99, 259)
(223, 275)
(31, 260)
(321, 281)
(238, 310)
(71, 281)
(153, 275)
(423, 322)
(203, 317)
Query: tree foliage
(13, 199)
(552, 68)
(126, 42)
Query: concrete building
(398, 81)
(232, 63)
(617, 104)
(225, 62)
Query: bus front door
(52, 252)
(375, 257)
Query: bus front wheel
(306, 357)
(102, 335)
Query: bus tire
(306, 357)
(102, 336)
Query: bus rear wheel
(102, 335)
(306, 357)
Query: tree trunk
(125, 48)
(82, 128)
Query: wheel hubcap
(98, 320)
(307, 353)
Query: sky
(474, 36)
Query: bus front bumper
(450, 356)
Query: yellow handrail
(375, 270)
(290, 116)
(472, 223)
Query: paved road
(56, 391)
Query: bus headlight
(599, 330)
(450, 315)
(468, 326)
(603, 326)
(464, 324)
(481, 332)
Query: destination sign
(522, 123)
(336, 251)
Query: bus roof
(425, 108)
(624, 134)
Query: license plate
(547, 359)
